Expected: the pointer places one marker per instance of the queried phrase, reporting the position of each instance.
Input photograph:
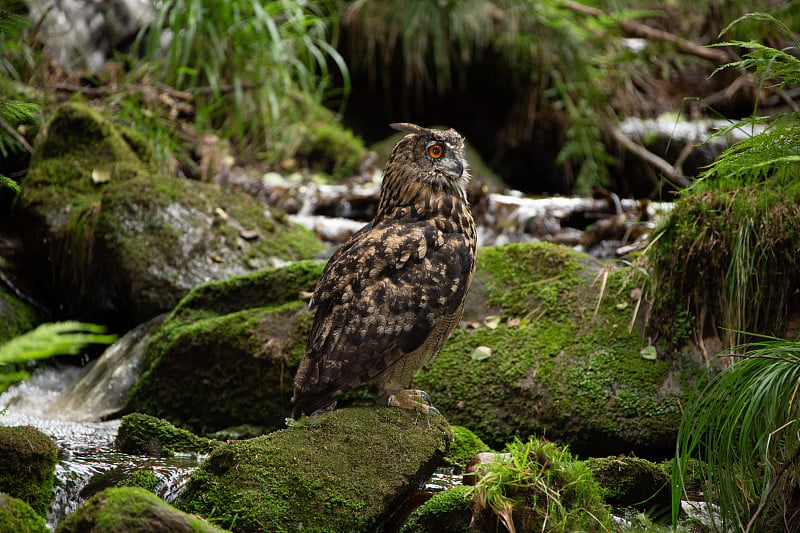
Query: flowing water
(68, 404)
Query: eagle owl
(392, 294)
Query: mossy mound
(332, 149)
(449, 511)
(227, 353)
(557, 367)
(16, 516)
(131, 510)
(346, 470)
(146, 435)
(725, 262)
(27, 466)
(464, 447)
(632, 482)
(144, 478)
(118, 242)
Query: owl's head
(433, 155)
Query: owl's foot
(412, 399)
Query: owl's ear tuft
(408, 127)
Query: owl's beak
(454, 167)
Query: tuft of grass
(256, 70)
(538, 486)
(744, 426)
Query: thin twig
(15, 134)
(771, 488)
(675, 176)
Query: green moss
(345, 470)
(146, 435)
(564, 372)
(522, 278)
(16, 316)
(448, 511)
(227, 353)
(130, 509)
(631, 482)
(27, 466)
(725, 262)
(333, 149)
(144, 478)
(464, 447)
(18, 517)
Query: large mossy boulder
(131, 510)
(16, 516)
(345, 470)
(112, 240)
(228, 352)
(560, 354)
(27, 466)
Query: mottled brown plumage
(392, 294)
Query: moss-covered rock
(449, 511)
(140, 434)
(464, 447)
(227, 353)
(332, 149)
(114, 241)
(131, 510)
(725, 262)
(631, 482)
(144, 478)
(27, 466)
(18, 517)
(560, 363)
(346, 470)
(16, 317)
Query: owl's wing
(380, 297)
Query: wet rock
(27, 466)
(566, 357)
(140, 434)
(346, 470)
(116, 242)
(228, 352)
(131, 510)
(19, 517)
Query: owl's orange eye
(435, 150)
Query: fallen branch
(647, 32)
(15, 134)
(675, 176)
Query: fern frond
(51, 339)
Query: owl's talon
(425, 396)
(408, 400)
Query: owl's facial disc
(446, 158)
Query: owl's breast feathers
(385, 293)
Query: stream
(68, 403)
